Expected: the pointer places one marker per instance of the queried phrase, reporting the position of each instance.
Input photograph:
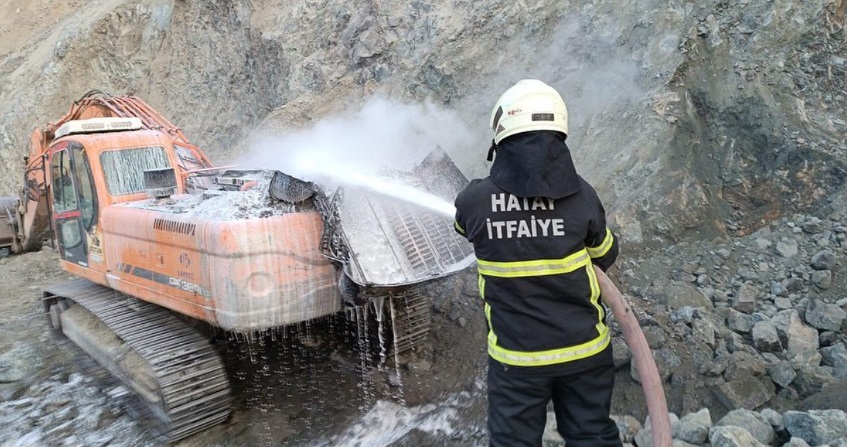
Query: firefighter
(537, 227)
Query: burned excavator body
(147, 223)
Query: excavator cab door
(73, 199)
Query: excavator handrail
(34, 186)
(129, 107)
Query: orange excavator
(161, 239)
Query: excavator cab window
(64, 197)
(124, 169)
(85, 186)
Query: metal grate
(427, 239)
(410, 318)
(174, 226)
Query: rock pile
(751, 328)
(739, 428)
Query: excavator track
(170, 366)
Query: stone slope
(689, 118)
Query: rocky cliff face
(689, 117)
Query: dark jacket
(535, 256)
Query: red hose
(657, 406)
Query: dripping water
(328, 173)
(302, 379)
(379, 307)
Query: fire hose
(651, 383)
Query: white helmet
(526, 106)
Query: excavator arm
(7, 224)
(31, 214)
(25, 219)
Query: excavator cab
(74, 201)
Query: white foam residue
(254, 202)
(387, 422)
(372, 244)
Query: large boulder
(817, 427)
(751, 421)
(746, 392)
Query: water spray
(354, 176)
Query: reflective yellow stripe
(459, 227)
(595, 298)
(602, 249)
(492, 337)
(551, 357)
(539, 267)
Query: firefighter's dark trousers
(517, 407)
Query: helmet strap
(491, 151)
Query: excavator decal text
(167, 280)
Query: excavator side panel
(269, 272)
(241, 275)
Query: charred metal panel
(290, 189)
(392, 241)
